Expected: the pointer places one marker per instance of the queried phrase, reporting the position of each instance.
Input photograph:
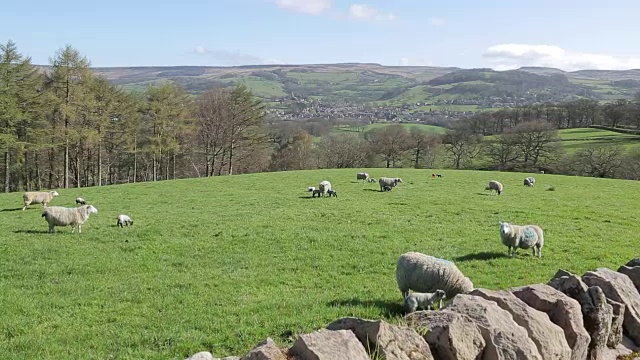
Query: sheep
(316, 192)
(439, 175)
(372, 180)
(425, 301)
(124, 220)
(38, 197)
(332, 193)
(433, 176)
(62, 216)
(541, 171)
(392, 182)
(80, 201)
(523, 237)
(362, 176)
(530, 181)
(311, 188)
(325, 186)
(495, 185)
(386, 188)
(424, 273)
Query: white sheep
(38, 197)
(425, 301)
(362, 176)
(124, 220)
(424, 273)
(530, 181)
(324, 186)
(523, 237)
(62, 216)
(495, 185)
(391, 182)
(80, 201)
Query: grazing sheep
(124, 220)
(325, 186)
(311, 188)
(424, 301)
(392, 182)
(424, 273)
(495, 185)
(541, 171)
(80, 201)
(439, 175)
(332, 193)
(523, 237)
(372, 180)
(316, 192)
(386, 188)
(62, 216)
(530, 181)
(38, 197)
(433, 176)
(362, 176)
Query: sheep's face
(54, 193)
(441, 294)
(505, 228)
(91, 209)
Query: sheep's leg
(51, 230)
(73, 228)
(79, 228)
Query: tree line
(64, 126)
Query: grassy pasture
(218, 264)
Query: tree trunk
(135, 158)
(6, 171)
(174, 166)
(230, 159)
(99, 162)
(417, 158)
(66, 164)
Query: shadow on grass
(14, 209)
(485, 255)
(483, 194)
(376, 190)
(390, 309)
(31, 232)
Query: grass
(218, 264)
(574, 140)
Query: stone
(548, 337)
(615, 336)
(596, 312)
(504, 338)
(562, 311)
(633, 272)
(450, 335)
(203, 355)
(329, 345)
(266, 350)
(618, 287)
(391, 341)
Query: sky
(565, 34)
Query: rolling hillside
(389, 85)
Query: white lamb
(424, 273)
(325, 186)
(38, 197)
(124, 220)
(523, 237)
(425, 301)
(62, 216)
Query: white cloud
(367, 13)
(416, 61)
(513, 56)
(312, 7)
(436, 21)
(233, 58)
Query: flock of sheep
(65, 216)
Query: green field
(219, 264)
(429, 128)
(580, 138)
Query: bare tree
(462, 144)
(424, 147)
(599, 160)
(537, 142)
(342, 151)
(391, 142)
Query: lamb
(495, 185)
(392, 182)
(530, 181)
(523, 237)
(62, 216)
(372, 180)
(311, 188)
(80, 201)
(425, 301)
(386, 188)
(38, 197)
(325, 186)
(124, 220)
(332, 193)
(362, 176)
(424, 273)
(316, 192)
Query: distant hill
(392, 85)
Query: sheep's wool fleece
(62, 216)
(424, 273)
(522, 236)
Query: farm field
(430, 128)
(576, 139)
(219, 264)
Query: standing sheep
(124, 220)
(392, 182)
(316, 192)
(332, 193)
(424, 273)
(81, 201)
(38, 197)
(325, 186)
(362, 176)
(523, 237)
(530, 181)
(62, 216)
(495, 185)
(425, 301)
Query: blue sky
(567, 34)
